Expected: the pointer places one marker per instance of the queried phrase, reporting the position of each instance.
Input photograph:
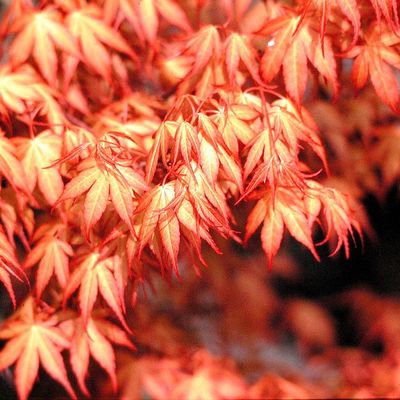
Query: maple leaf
(298, 210)
(238, 48)
(37, 154)
(92, 33)
(293, 42)
(52, 253)
(93, 339)
(102, 179)
(286, 208)
(215, 63)
(33, 338)
(93, 274)
(203, 45)
(38, 32)
(374, 59)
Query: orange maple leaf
(292, 42)
(93, 339)
(375, 58)
(239, 49)
(103, 178)
(93, 274)
(92, 33)
(203, 45)
(298, 209)
(37, 154)
(51, 253)
(34, 338)
(275, 212)
(38, 32)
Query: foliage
(135, 134)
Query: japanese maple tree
(137, 134)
